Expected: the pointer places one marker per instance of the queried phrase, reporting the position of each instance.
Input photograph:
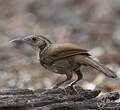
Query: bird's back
(58, 51)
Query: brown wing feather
(59, 51)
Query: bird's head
(36, 41)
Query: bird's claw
(72, 88)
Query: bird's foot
(72, 88)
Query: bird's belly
(60, 66)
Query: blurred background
(92, 24)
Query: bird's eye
(34, 39)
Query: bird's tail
(100, 67)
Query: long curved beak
(17, 40)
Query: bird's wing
(60, 51)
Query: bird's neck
(44, 47)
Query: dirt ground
(92, 24)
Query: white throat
(38, 54)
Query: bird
(64, 58)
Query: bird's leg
(69, 77)
(80, 76)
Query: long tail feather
(101, 68)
